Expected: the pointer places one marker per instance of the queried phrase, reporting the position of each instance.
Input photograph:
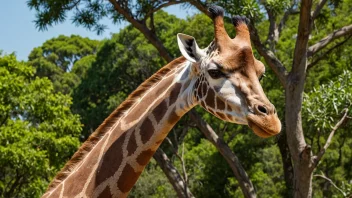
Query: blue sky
(18, 32)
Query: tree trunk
(172, 174)
(301, 152)
(287, 164)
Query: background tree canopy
(38, 132)
(64, 60)
(41, 128)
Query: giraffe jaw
(264, 129)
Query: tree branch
(272, 37)
(328, 141)
(239, 172)
(318, 9)
(175, 151)
(321, 57)
(331, 182)
(301, 46)
(200, 6)
(172, 174)
(347, 30)
(290, 11)
(168, 3)
(269, 56)
(153, 39)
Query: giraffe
(223, 78)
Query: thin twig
(331, 182)
(185, 176)
(283, 20)
(318, 9)
(328, 141)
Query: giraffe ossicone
(223, 78)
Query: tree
(289, 62)
(38, 132)
(293, 78)
(58, 59)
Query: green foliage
(51, 12)
(64, 60)
(334, 97)
(38, 132)
(249, 8)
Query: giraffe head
(227, 75)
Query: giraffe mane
(97, 135)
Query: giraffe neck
(113, 165)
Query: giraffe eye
(214, 73)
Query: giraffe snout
(264, 120)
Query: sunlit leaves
(38, 132)
(57, 57)
(324, 104)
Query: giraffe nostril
(262, 109)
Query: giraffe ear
(189, 48)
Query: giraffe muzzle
(264, 121)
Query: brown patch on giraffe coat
(173, 117)
(210, 100)
(228, 107)
(199, 91)
(160, 110)
(221, 115)
(106, 193)
(174, 93)
(220, 104)
(144, 157)
(196, 84)
(111, 160)
(147, 130)
(132, 144)
(127, 179)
